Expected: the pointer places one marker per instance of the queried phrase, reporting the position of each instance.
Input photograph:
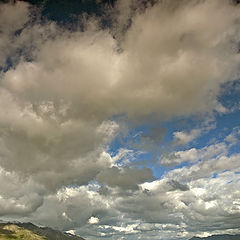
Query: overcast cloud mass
(128, 130)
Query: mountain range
(29, 231)
(218, 237)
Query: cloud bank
(63, 92)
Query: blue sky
(121, 120)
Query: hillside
(29, 231)
(12, 231)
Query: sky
(121, 119)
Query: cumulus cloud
(67, 85)
(62, 91)
(12, 18)
(207, 168)
(126, 178)
(232, 138)
(194, 155)
(93, 220)
(162, 52)
(184, 138)
(167, 207)
(19, 196)
(59, 100)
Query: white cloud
(56, 127)
(185, 138)
(93, 220)
(162, 51)
(127, 230)
(157, 207)
(72, 231)
(56, 108)
(193, 155)
(232, 138)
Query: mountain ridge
(219, 237)
(29, 231)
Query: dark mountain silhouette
(218, 237)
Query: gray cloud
(19, 196)
(12, 18)
(57, 102)
(166, 207)
(126, 178)
(56, 119)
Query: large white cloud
(176, 57)
(62, 91)
(54, 104)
